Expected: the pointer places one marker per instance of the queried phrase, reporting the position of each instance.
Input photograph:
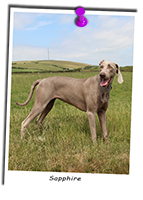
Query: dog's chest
(104, 97)
(103, 101)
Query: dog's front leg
(102, 119)
(91, 119)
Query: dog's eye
(109, 67)
(101, 67)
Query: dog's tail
(31, 93)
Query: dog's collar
(104, 88)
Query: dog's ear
(120, 78)
(101, 62)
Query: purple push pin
(81, 21)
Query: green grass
(65, 144)
(45, 65)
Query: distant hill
(126, 69)
(46, 65)
(55, 66)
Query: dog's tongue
(104, 82)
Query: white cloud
(111, 39)
(38, 25)
(21, 20)
(66, 19)
(26, 52)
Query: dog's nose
(102, 75)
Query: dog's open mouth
(105, 82)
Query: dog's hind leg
(36, 110)
(44, 113)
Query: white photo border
(20, 178)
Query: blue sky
(104, 37)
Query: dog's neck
(105, 89)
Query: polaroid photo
(60, 79)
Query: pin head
(81, 21)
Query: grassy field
(65, 144)
(45, 65)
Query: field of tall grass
(65, 144)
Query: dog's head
(107, 72)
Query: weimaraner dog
(90, 95)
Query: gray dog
(90, 95)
